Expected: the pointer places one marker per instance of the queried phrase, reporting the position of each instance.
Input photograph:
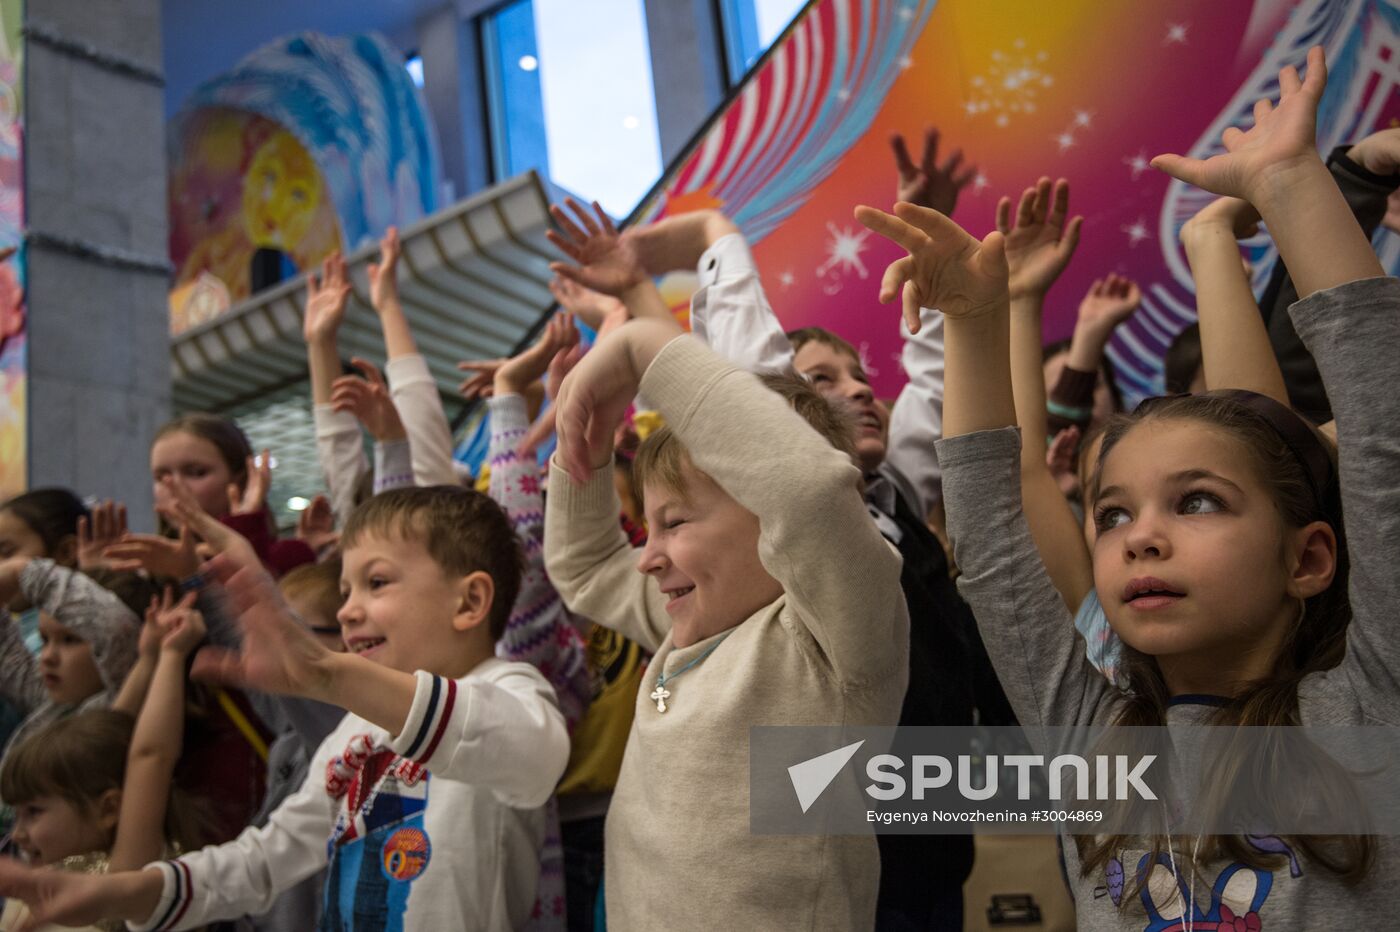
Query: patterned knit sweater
(540, 630)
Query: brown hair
(136, 590)
(50, 513)
(830, 420)
(463, 531)
(318, 584)
(662, 458)
(1316, 643)
(804, 335)
(79, 758)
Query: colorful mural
(1079, 88)
(13, 404)
(310, 144)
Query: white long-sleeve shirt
(456, 848)
(731, 313)
(340, 445)
(415, 395)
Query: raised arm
(1039, 244)
(1235, 350)
(916, 420)
(1028, 632)
(746, 438)
(1349, 319)
(411, 384)
(339, 447)
(539, 630)
(607, 262)
(155, 742)
(20, 680)
(729, 311)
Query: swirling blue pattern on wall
(352, 105)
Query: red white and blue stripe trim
(433, 724)
(179, 872)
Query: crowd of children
(524, 700)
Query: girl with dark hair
(1219, 554)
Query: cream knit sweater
(832, 650)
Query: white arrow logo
(811, 777)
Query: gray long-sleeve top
(1352, 331)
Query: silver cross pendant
(659, 695)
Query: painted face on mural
(281, 191)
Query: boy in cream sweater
(768, 598)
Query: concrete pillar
(99, 357)
(687, 66)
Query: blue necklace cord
(661, 693)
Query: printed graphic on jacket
(380, 845)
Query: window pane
(751, 26)
(574, 99)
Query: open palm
(1283, 136)
(1040, 243)
(946, 268)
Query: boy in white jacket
(425, 802)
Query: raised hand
(316, 525)
(158, 556)
(1040, 243)
(928, 184)
(596, 394)
(253, 496)
(528, 367)
(1108, 302)
(383, 275)
(194, 521)
(368, 399)
(946, 268)
(591, 307)
(564, 361)
(1283, 138)
(179, 623)
(278, 654)
(607, 261)
(326, 298)
(95, 534)
(482, 381)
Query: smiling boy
(425, 804)
(768, 598)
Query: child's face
(197, 463)
(702, 550)
(66, 663)
(836, 375)
(1183, 512)
(400, 606)
(51, 828)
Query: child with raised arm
(411, 384)
(755, 616)
(424, 804)
(950, 677)
(1218, 553)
